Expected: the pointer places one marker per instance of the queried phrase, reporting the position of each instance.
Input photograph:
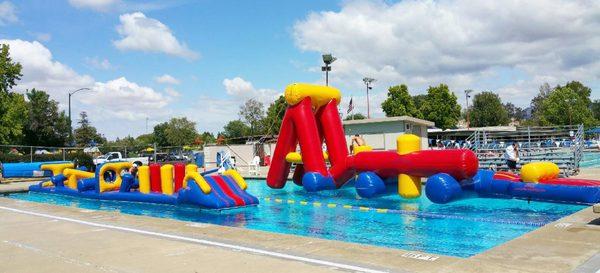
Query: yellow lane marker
(267, 199)
(381, 210)
(363, 208)
(303, 203)
(278, 200)
(317, 204)
(347, 206)
(331, 205)
(290, 201)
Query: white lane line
(204, 242)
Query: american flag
(350, 107)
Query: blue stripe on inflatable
(248, 199)
(218, 192)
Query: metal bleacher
(562, 145)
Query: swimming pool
(462, 228)
(590, 160)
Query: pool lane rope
(419, 214)
(204, 242)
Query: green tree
(536, 102)
(145, 139)
(514, 112)
(45, 126)
(275, 113)
(252, 113)
(419, 100)
(595, 107)
(565, 107)
(208, 137)
(441, 107)
(10, 72)
(235, 129)
(487, 110)
(85, 134)
(400, 103)
(355, 116)
(13, 115)
(180, 132)
(583, 91)
(160, 137)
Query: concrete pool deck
(36, 235)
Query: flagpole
(351, 99)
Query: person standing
(511, 154)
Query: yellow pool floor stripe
(328, 205)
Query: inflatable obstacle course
(312, 118)
(168, 184)
(538, 181)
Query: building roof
(390, 119)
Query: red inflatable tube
(179, 174)
(572, 182)
(286, 143)
(155, 177)
(460, 164)
(308, 136)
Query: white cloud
(242, 90)
(115, 107)
(139, 32)
(121, 99)
(41, 36)
(167, 79)
(8, 13)
(98, 63)
(172, 92)
(41, 71)
(458, 42)
(98, 5)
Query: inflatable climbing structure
(312, 118)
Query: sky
(154, 60)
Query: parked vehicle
(117, 156)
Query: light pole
(327, 59)
(467, 96)
(368, 83)
(70, 121)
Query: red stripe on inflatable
(507, 176)
(572, 182)
(227, 190)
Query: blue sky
(213, 55)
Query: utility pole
(70, 121)
(327, 59)
(467, 96)
(368, 82)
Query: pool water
(590, 160)
(462, 228)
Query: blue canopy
(593, 131)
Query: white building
(381, 133)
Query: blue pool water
(590, 160)
(462, 228)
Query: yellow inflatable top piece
(360, 149)
(319, 94)
(538, 171)
(56, 168)
(408, 143)
(295, 157)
